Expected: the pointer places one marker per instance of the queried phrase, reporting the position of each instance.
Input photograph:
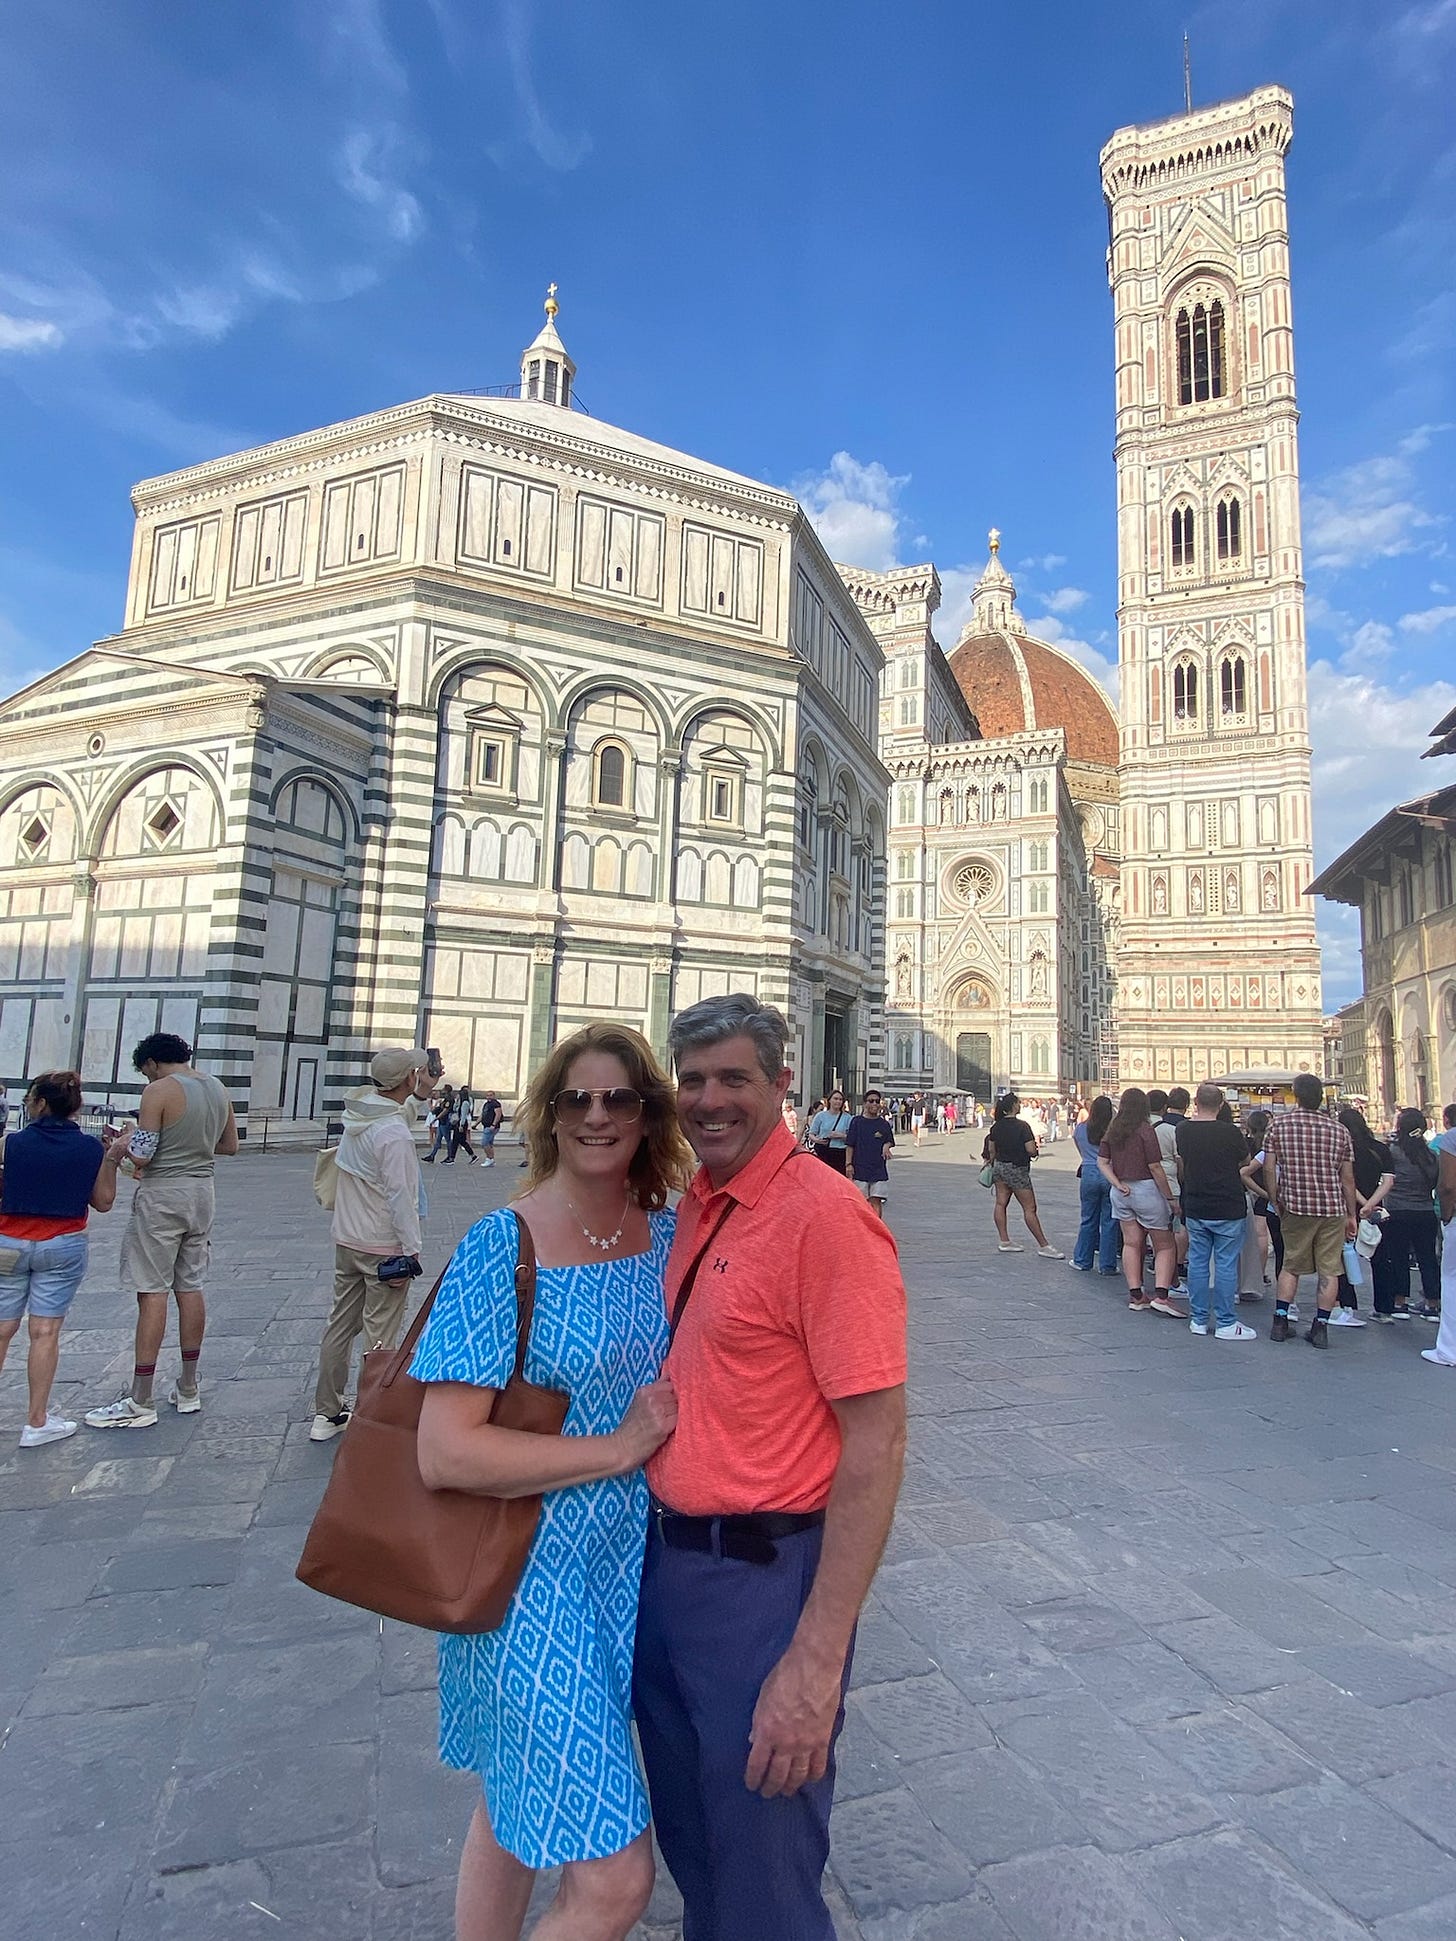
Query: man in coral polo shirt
(772, 1499)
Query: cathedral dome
(1013, 682)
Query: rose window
(974, 883)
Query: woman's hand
(650, 1420)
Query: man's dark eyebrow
(730, 1071)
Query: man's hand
(793, 1723)
(1352, 1226)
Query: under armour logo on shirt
(720, 1265)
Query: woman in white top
(828, 1131)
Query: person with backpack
(462, 1114)
(442, 1106)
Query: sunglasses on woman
(620, 1103)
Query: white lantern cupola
(993, 599)
(547, 372)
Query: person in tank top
(184, 1120)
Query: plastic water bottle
(1354, 1265)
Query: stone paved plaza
(1165, 1644)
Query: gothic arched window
(1201, 361)
(1229, 530)
(610, 791)
(1233, 685)
(1180, 539)
(1185, 692)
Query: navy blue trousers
(709, 1631)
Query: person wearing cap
(377, 1206)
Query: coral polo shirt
(798, 1303)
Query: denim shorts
(45, 1276)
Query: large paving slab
(1164, 1643)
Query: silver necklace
(595, 1238)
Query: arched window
(1038, 898)
(1185, 692)
(906, 811)
(1037, 856)
(1233, 685)
(1229, 530)
(904, 903)
(1038, 795)
(1201, 360)
(1180, 539)
(610, 791)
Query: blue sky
(853, 249)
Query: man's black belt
(748, 1539)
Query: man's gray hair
(736, 1015)
(1209, 1097)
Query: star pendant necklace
(595, 1238)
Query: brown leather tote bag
(442, 1558)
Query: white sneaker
(1198, 1327)
(1293, 1311)
(1236, 1331)
(487, 1162)
(1427, 1354)
(326, 1427)
(123, 1413)
(186, 1404)
(1051, 1253)
(1345, 1317)
(1009, 1247)
(56, 1429)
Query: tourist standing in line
(1169, 1109)
(51, 1175)
(377, 1206)
(868, 1145)
(774, 1495)
(491, 1114)
(540, 1707)
(1009, 1148)
(917, 1116)
(829, 1130)
(1312, 1162)
(1132, 1163)
(1444, 1352)
(184, 1120)
(1373, 1181)
(1097, 1238)
(1411, 1226)
(1210, 1166)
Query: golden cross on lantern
(995, 538)
(552, 306)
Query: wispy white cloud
(1065, 599)
(29, 333)
(1429, 621)
(1368, 741)
(855, 510)
(551, 146)
(366, 164)
(1371, 510)
(1371, 644)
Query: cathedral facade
(459, 723)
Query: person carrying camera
(376, 1224)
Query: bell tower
(1218, 968)
(547, 372)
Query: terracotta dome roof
(1013, 682)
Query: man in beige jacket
(377, 1205)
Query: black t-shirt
(1212, 1153)
(1372, 1162)
(490, 1113)
(868, 1140)
(1011, 1141)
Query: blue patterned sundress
(541, 1708)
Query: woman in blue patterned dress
(541, 1707)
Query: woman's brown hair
(663, 1161)
(58, 1092)
(1133, 1112)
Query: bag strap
(525, 1293)
(525, 1307)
